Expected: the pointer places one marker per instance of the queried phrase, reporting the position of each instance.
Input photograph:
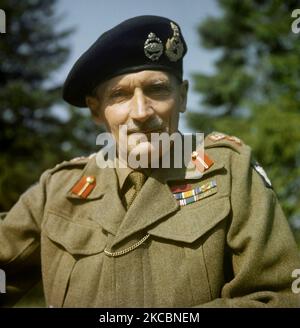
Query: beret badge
(150, 42)
(174, 45)
(153, 47)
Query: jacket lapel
(154, 202)
(105, 206)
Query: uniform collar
(105, 206)
(189, 171)
(122, 174)
(185, 172)
(107, 209)
(90, 170)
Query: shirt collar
(123, 172)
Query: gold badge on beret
(153, 47)
(174, 45)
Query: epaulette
(74, 162)
(218, 139)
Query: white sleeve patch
(262, 173)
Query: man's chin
(146, 154)
(143, 149)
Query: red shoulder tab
(202, 164)
(84, 186)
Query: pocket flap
(74, 237)
(189, 224)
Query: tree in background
(254, 91)
(33, 136)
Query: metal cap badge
(174, 46)
(146, 42)
(153, 47)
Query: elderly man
(209, 234)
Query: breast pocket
(64, 243)
(75, 238)
(178, 252)
(191, 223)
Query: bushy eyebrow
(116, 88)
(158, 80)
(148, 83)
(163, 82)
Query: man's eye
(158, 90)
(119, 94)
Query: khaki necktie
(133, 184)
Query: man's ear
(184, 87)
(93, 104)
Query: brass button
(90, 180)
(194, 155)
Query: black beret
(139, 43)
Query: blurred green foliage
(253, 92)
(37, 130)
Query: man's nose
(140, 107)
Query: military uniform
(230, 247)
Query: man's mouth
(146, 131)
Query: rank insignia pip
(84, 186)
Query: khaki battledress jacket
(231, 248)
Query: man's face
(146, 102)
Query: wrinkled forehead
(137, 79)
